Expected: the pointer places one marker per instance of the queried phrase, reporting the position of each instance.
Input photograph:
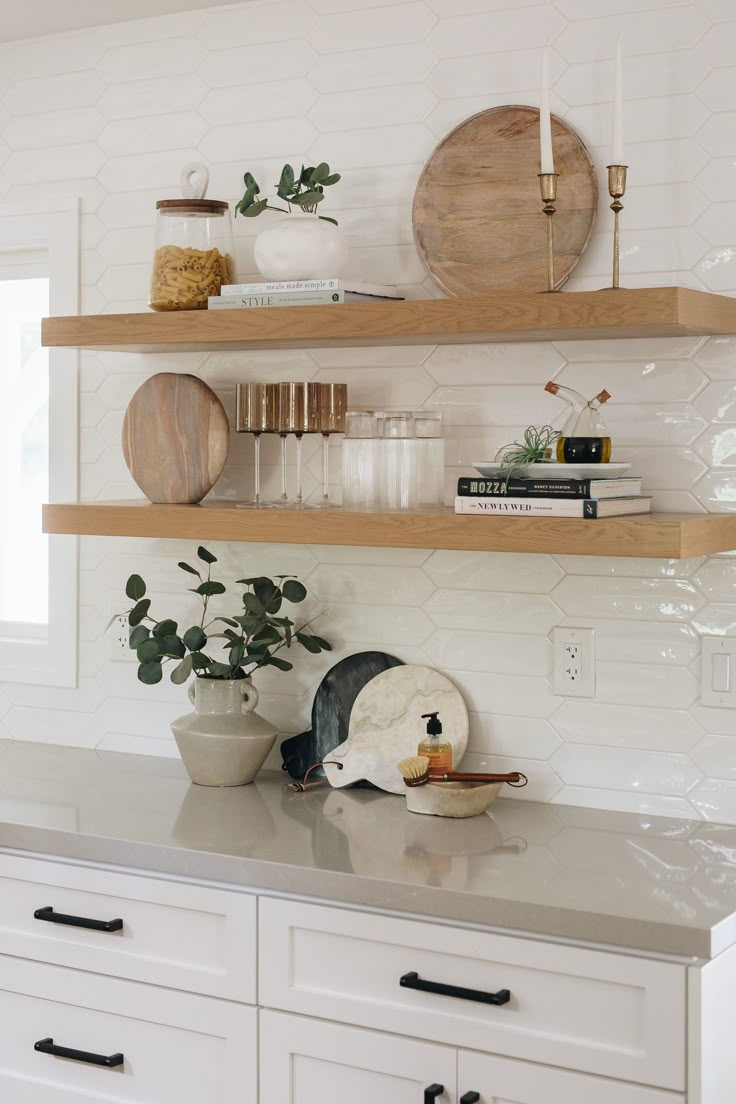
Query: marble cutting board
(333, 704)
(386, 725)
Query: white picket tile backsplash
(111, 114)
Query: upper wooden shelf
(666, 536)
(569, 316)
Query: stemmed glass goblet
(256, 413)
(298, 413)
(333, 405)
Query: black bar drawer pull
(432, 1092)
(52, 917)
(46, 1046)
(470, 1098)
(413, 981)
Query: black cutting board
(333, 704)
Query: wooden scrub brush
(415, 772)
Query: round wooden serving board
(175, 438)
(478, 220)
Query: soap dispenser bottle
(438, 751)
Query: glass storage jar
(194, 253)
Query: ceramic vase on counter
(224, 742)
(301, 246)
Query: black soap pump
(439, 752)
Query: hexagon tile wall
(112, 113)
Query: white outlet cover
(115, 641)
(712, 647)
(582, 686)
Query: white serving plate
(491, 469)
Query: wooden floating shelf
(568, 316)
(666, 536)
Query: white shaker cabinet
(305, 1061)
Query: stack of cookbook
(556, 493)
(299, 293)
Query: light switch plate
(574, 659)
(718, 669)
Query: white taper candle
(617, 141)
(547, 164)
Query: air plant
(532, 449)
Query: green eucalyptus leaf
(253, 606)
(165, 628)
(324, 644)
(200, 661)
(173, 646)
(320, 173)
(148, 650)
(281, 664)
(182, 671)
(255, 208)
(138, 635)
(150, 673)
(135, 588)
(228, 621)
(309, 199)
(191, 570)
(210, 588)
(331, 179)
(326, 218)
(294, 591)
(219, 670)
(195, 638)
(308, 642)
(138, 612)
(206, 555)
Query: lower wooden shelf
(667, 536)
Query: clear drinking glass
(359, 460)
(333, 404)
(398, 467)
(430, 467)
(256, 405)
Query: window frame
(49, 655)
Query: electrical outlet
(574, 659)
(116, 639)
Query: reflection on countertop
(635, 881)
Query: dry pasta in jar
(194, 253)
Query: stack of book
(551, 497)
(299, 293)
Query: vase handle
(191, 693)
(250, 697)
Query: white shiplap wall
(112, 113)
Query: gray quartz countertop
(631, 881)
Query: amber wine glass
(298, 413)
(333, 405)
(256, 408)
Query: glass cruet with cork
(584, 438)
(193, 246)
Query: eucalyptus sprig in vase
(305, 244)
(224, 742)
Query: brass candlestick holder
(548, 188)
(616, 190)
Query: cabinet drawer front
(311, 1062)
(608, 1014)
(175, 1046)
(186, 937)
(503, 1081)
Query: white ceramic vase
(300, 246)
(224, 742)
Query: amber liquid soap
(438, 751)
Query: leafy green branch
(305, 191)
(250, 639)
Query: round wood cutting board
(478, 220)
(175, 438)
